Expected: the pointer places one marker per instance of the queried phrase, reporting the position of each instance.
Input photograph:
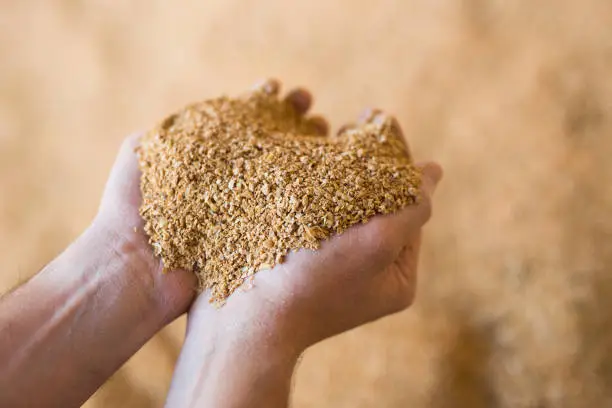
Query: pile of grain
(230, 186)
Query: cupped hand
(365, 273)
(118, 219)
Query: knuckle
(404, 302)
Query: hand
(118, 215)
(119, 221)
(368, 272)
(365, 273)
(71, 326)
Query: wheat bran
(230, 186)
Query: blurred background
(514, 98)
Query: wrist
(249, 317)
(167, 294)
(87, 312)
(232, 357)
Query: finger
(124, 180)
(270, 86)
(396, 129)
(345, 128)
(367, 115)
(415, 216)
(300, 99)
(384, 120)
(432, 173)
(319, 124)
(399, 227)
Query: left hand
(119, 221)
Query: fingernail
(367, 115)
(380, 119)
(270, 86)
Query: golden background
(514, 98)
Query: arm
(64, 332)
(233, 357)
(75, 323)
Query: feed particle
(231, 185)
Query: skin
(72, 325)
(76, 322)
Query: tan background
(514, 98)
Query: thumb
(415, 216)
(432, 174)
(123, 185)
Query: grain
(231, 185)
